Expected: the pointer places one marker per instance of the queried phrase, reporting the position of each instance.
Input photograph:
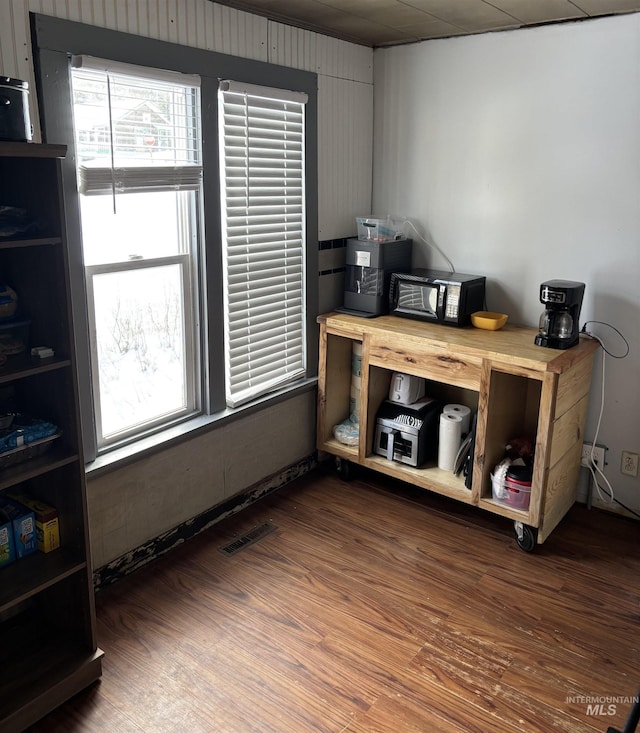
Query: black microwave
(437, 295)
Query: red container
(516, 493)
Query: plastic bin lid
(520, 473)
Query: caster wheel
(526, 536)
(344, 469)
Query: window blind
(101, 180)
(263, 226)
(135, 131)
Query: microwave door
(435, 299)
(418, 298)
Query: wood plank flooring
(372, 607)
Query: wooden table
(516, 388)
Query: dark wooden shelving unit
(47, 614)
(28, 242)
(27, 366)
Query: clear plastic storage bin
(512, 493)
(379, 229)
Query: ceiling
(392, 22)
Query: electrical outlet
(629, 463)
(599, 453)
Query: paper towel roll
(354, 400)
(356, 359)
(449, 438)
(463, 411)
(356, 382)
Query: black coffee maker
(559, 327)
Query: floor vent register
(248, 538)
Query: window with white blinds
(263, 227)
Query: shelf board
(495, 507)
(10, 149)
(336, 448)
(55, 457)
(429, 477)
(32, 574)
(29, 242)
(46, 669)
(27, 366)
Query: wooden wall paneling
(345, 142)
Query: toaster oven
(407, 433)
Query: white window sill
(190, 428)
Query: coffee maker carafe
(559, 326)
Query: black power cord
(613, 328)
(608, 490)
(635, 514)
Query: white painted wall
(518, 153)
(143, 499)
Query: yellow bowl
(489, 321)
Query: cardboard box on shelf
(23, 523)
(47, 525)
(7, 551)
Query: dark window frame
(54, 40)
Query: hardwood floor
(371, 608)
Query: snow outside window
(263, 228)
(138, 147)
